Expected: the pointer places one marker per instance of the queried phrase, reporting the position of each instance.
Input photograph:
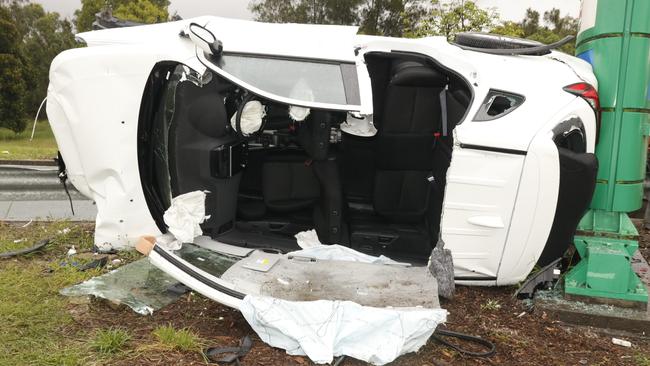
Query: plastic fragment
(621, 342)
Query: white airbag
(183, 217)
(251, 118)
(325, 329)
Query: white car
(379, 144)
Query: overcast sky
(509, 9)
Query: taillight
(590, 94)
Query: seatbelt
(443, 110)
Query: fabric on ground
(326, 329)
(313, 248)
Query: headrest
(410, 73)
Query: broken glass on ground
(145, 288)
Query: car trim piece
(475, 278)
(493, 149)
(189, 271)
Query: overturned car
(381, 145)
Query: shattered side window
(305, 80)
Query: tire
(488, 41)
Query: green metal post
(615, 38)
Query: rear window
(304, 80)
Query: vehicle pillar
(614, 37)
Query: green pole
(615, 38)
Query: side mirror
(205, 40)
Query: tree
(452, 17)
(145, 11)
(142, 11)
(306, 11)
(553, 28)
(380, 17)
(509, 28)
(12, 87)
(44, 35)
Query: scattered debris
(72, 251)
(39, 245)
(63, 231)
(229, 354)
(621, 342)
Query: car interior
(378, 194)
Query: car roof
(329, 42)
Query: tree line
(31, 37)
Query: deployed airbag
(183, 218)
(251, 118)
(324, 329)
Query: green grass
(177, 339)
(17, 146)
(642, 359)
(35, 326)
(108, 341)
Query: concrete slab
(47, 210)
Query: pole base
(605, 271)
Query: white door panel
(481, 191)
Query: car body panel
(503, 181)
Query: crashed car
(381, 145)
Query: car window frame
(207, 62)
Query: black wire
(439, 333)
(39, 245)
(65, 187)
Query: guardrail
(33, 183)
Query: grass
(491, 305)
(109, 341)
(17, 146)
(35, 325)
(641, 359)
(32, 315)
(177, 339)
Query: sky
(509, 9)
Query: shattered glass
(143, 287)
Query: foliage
(380, 17)
(30, 38)
(145, 11)
(181, 339)
(450, 18)
(12, 86)
(552, 28)
(44, 35)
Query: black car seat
(411, 115)
(314, 137)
